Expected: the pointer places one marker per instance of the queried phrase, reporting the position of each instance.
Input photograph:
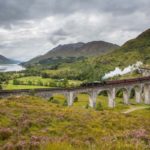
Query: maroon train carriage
(115, 82)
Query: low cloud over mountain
(29, 28)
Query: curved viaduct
(140, 85)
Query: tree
(1, 87)
(30, 83)
(40, 83)
(45, 75)
(87, 106)
(65, 83)
(99, 106)
(76, 99)
(16, 82)
(65, 103)
(51, 99)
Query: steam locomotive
(115, 82)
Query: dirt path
(134, 109)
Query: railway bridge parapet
(141, 86)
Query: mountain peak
(77, 50)
(5, 60)
(145, 34)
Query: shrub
(16, 82)
(40, 83)
(76, 99)
(103, 93)
(30, 83)
(99, 106)
(55, 101)
(45, 75)
(22, 145)
(87, 106)
(9, 146)
(1, 87)
(132, 93)
(120, 94)
(51, 99)
(65, 103)
(5, 133)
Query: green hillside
(30, 123)
(72, 53)
(94, 68)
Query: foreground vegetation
(33, 123)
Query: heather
(32, 123)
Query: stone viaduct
(141, 86)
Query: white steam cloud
(126, 70)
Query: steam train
(114, 82)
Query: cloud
(29, 28)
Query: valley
(31, 122)
(74, 75)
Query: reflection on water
(11, 67)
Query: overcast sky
(32, 27)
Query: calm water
(11, 67)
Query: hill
(31, 123)
(4, 60)
(134, 50)
(94, 68)
(74, 51)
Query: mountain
(93, 68)
(81, 49)
(4, 60)
(139, 44)
(75, 50)
(131, 52)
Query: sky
(29, 28)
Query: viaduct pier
(141, 86)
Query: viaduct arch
(141, 87)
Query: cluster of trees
(79, 70)
(82, 70)
(58, 83)
(4, 78)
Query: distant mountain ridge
(77, 50)
(93, 68)
(133, 51)
(5, 60)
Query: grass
(35, 80)
(12, 87)
(83, 100)
(33, 123)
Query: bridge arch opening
(58, 98)
(105, 99)
(123, 95)
(81, 100)
(136, 94)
